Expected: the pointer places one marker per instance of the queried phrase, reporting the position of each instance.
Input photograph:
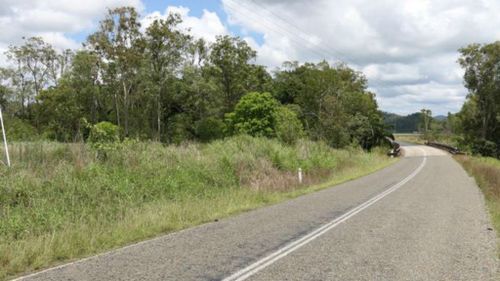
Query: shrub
(254, 115)
(104, 132)
(288, 127)
(103, 137)
(19, 130)
(484, 147)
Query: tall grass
(59, 202)
(486, 171)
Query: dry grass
(411, 138)
(486, 171)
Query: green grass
(58, 202)
(412, 138)
(486, 171)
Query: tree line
(159, 83)
(478, 121)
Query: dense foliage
(403, 124)
(159, 83)
(479, 119)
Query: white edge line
(113, 251)
(108, 253)
(284, 251)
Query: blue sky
(196, 10)
(196, 6)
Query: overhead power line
(293, 32)
(273, 28)
(289, 22)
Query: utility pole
(4, 138)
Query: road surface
(422, 218)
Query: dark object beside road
(449, 148)
(396, 148)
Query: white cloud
(56, 20)
(407, 49)
(53, 20)
(208, 26)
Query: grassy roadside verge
(486, 171)
(59, 202)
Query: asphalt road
(422, 218)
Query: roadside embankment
(486, 171)
(60, 202)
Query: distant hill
(408, 123)
(402, 124)
(440, 117)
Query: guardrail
(449, 148)
(396, 147)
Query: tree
(255, 115)
(120, 43)
(288, 127)
(165, 46)
(60, 112)
(158, 83)
(229, 60)
(60, 65)
(85, 81)
(4, 94)
(333, 102)
(34, 60)
(480, 114)
(426, 118)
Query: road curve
(422, 218)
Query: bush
(288, 127)
(254, 115)
(104, 132)
(19, 130)
(209, 129)
(484, 148)
(103, 137)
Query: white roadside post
(300, 175)
(4, 138)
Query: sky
(408, 50)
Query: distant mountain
(402, 124)
(440, 117)
(408, 123)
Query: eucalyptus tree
(166, 46)
(85, 77)
(480, 114)
(482, 79)
(230, 66)
(32, 63)
(60, 65)
(120, 44)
